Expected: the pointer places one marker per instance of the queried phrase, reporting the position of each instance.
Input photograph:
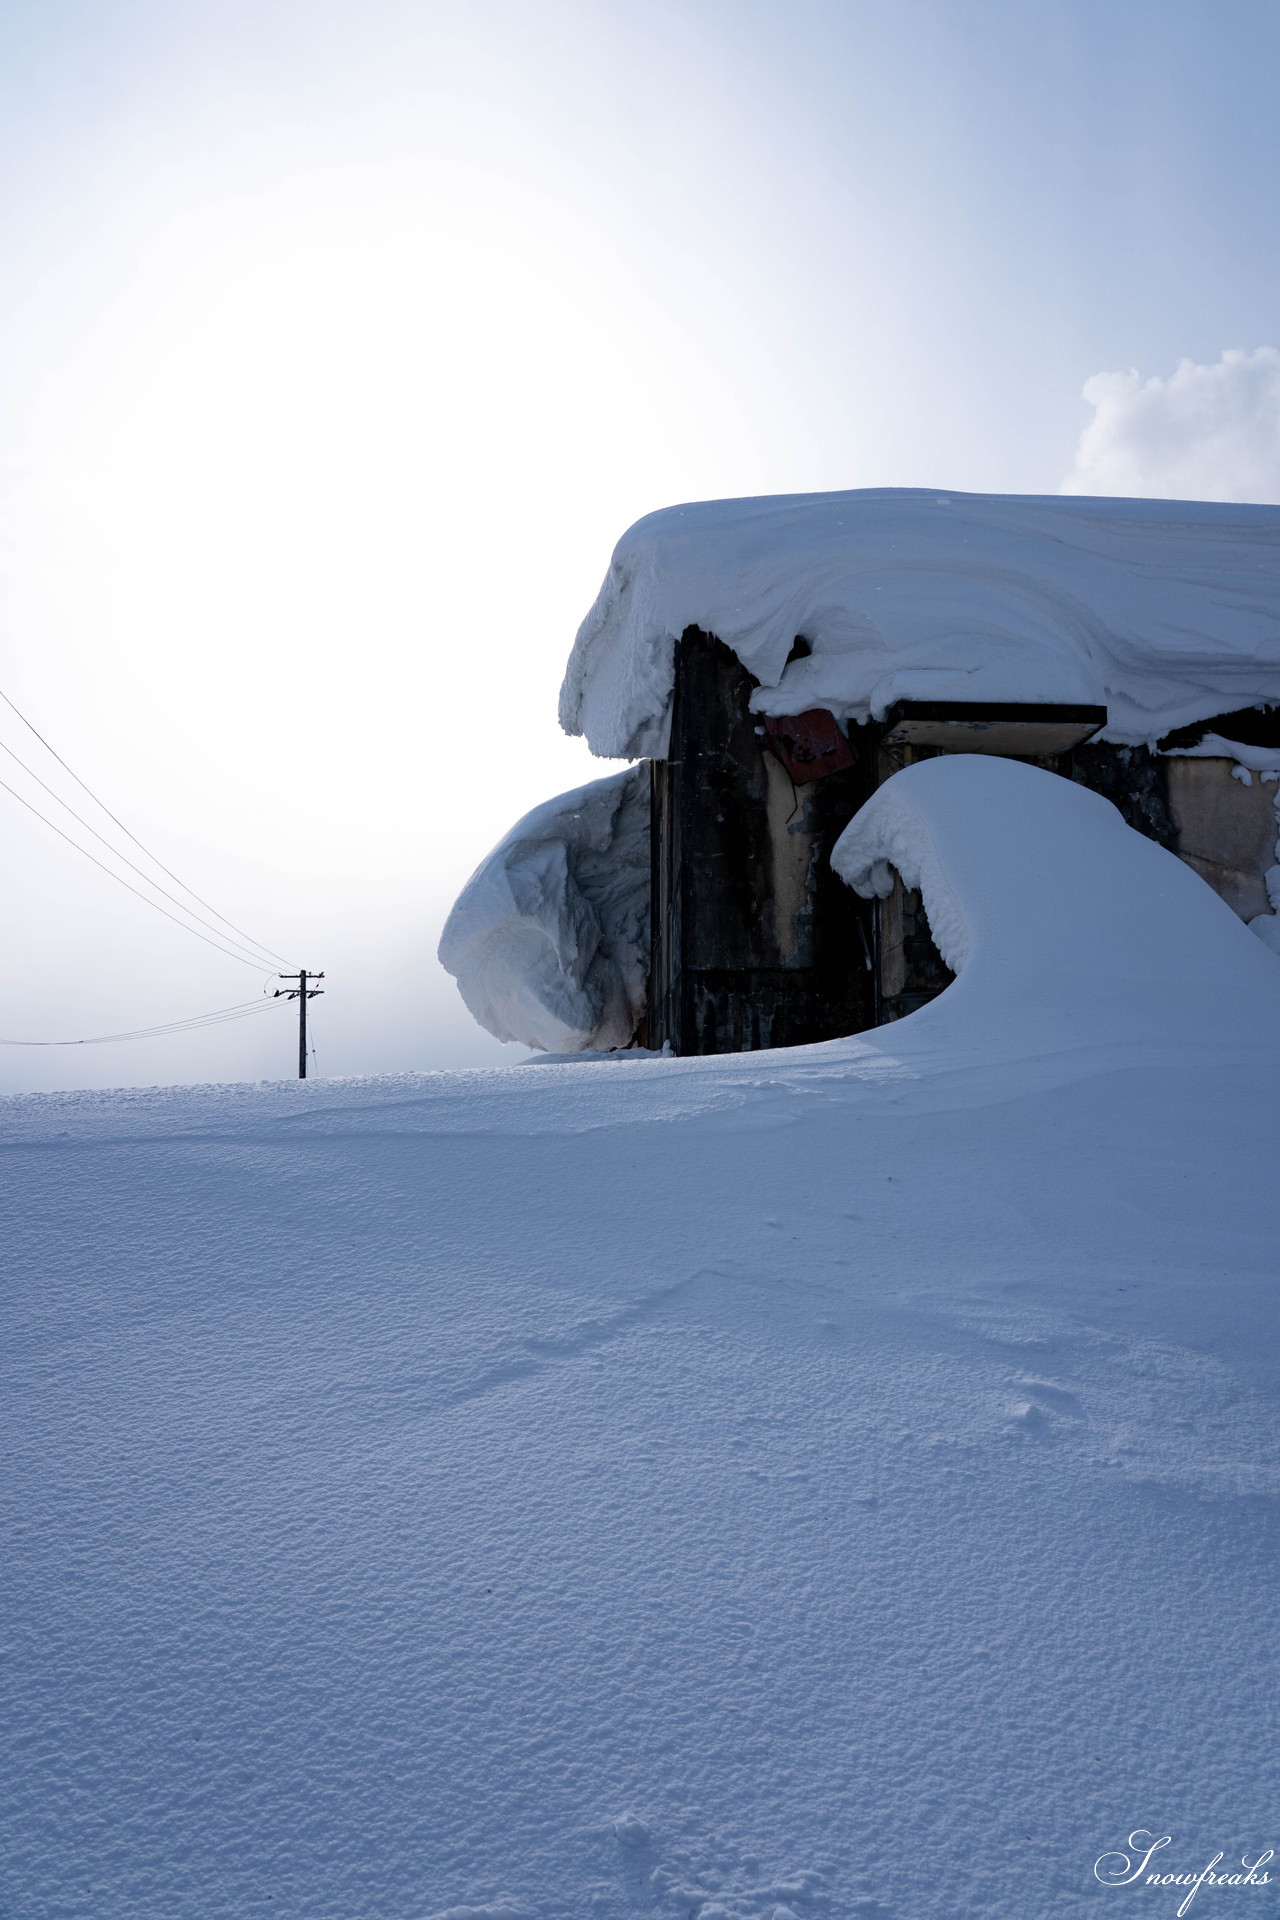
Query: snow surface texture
(548, 940)
(1166, 612)
(841, 1482)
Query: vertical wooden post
(755, 941)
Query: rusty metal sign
(810, 745)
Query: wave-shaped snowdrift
(1062, 923)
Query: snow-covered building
(771, 663)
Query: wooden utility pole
(301, 993)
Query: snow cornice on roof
(1166, 612)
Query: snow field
(835, 1482)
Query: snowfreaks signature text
(1134, 1868)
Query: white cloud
(1205, 433)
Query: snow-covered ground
(835, 1483)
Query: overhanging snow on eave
(1164, 612)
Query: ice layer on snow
(1163, 611)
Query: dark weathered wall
(756, 942)
(1134, 779)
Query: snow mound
(548, 939)
(1062, 922)
(1164, 611)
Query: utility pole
(301, 993)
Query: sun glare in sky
(340, 347)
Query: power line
(242, 947)
(228, 951)
(125, 830)
(219, 1017)
(251, 951)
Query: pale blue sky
(355, 335)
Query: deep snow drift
(835, 1483)
(549, 938)
(1065, 926)
(1164, 611)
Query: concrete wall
(1226, 831)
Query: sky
(339, 343)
